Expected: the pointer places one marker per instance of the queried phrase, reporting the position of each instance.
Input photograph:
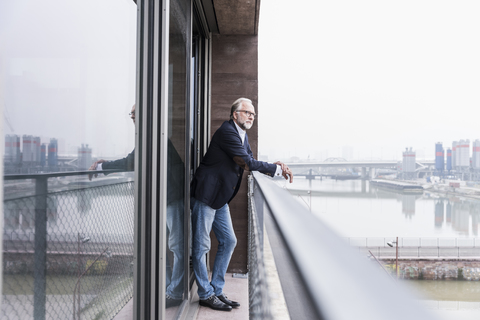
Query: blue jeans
(204, 218)
(174, 274)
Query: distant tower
(36, 146)
(9, 148)
(17, 153)
(43, 154)
(464, 153)
(454, 155)
(476, 158)
(28, 154)
(53, 153)
(439, 159)
(409, 164)
(449, 160)
(84, 157)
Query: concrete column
(364, 172)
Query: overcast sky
(68, 72)
(378, 76)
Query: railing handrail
(409, 242)
(57, 174)
(342, 283)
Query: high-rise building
(476, 155)
(439, 159)
(449, 160)
(454, 155)
(53, 153)
(12, 149)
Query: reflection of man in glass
(175, 212)
(126, 163)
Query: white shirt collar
(241, 132)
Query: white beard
(246, 126)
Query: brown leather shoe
(225, 300)
(214, 303)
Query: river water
(354, 209)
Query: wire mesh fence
(81, 265)
(415, 247)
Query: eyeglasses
(248, 113)
(132, 113)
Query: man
(126, 163)
(215, 184)
(175, 209)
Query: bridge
(311, 170)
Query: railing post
(396, 257)
(40, 254)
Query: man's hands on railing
(286, 172)
(94, 167)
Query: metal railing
(259, 299)
(423, 252)
(414, 247)
(415, 242)
(322, 276)
(67, 251)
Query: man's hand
(286, 172)
(94, 167)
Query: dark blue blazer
(127, 163)
(218, 177)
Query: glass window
(67, 82)
(178, 104)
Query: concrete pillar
(364, 172)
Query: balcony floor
(235, 288)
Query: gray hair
(237, 105)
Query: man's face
(132, 114)
(243, 120)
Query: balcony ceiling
(237, 17)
